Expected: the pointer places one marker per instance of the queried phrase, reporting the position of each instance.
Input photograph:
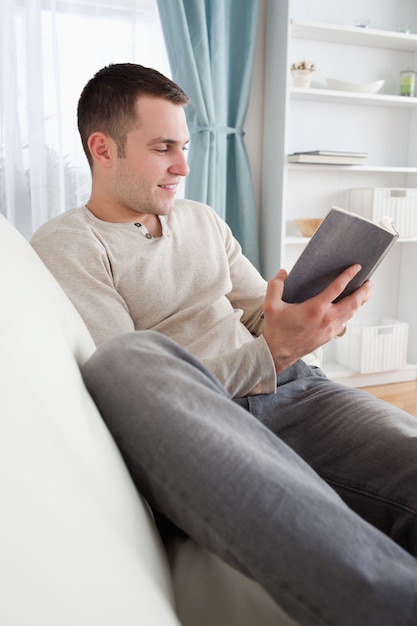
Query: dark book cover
(342, 239)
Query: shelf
(315, 94)
(382, 124)
(337, 33)
(348, 377)
(297, 240)
(378, 169)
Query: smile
(171, 188)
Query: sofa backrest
(77, 543)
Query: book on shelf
(328, 157)
(342, 239)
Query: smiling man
(228, 430)
(137, 180)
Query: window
(49, 50)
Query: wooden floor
(403, 395)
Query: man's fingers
(274, 290)
(341, 282)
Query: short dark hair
(108, 101)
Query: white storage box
(378, 347)
(398, 203)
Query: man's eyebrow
(167, 140)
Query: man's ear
(101, 148)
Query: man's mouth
(172, 188)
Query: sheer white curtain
(49, 49)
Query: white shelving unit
(346, 97)
(351, 35)
(384, 125)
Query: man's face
(145, 180)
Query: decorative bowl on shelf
(308, 226)
(341, 85)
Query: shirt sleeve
(83, 270)
(250, 369)
(247, 371)
(248, 286)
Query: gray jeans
(311, 491)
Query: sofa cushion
(208, 592)
(77, 544)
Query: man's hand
(293, 330)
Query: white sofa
(78, 546)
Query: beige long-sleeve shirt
(192, 283)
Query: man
(301, 483)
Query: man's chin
(166, 208)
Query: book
(327, 158)
(362, 155)
(342, 239)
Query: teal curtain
(211, 46)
